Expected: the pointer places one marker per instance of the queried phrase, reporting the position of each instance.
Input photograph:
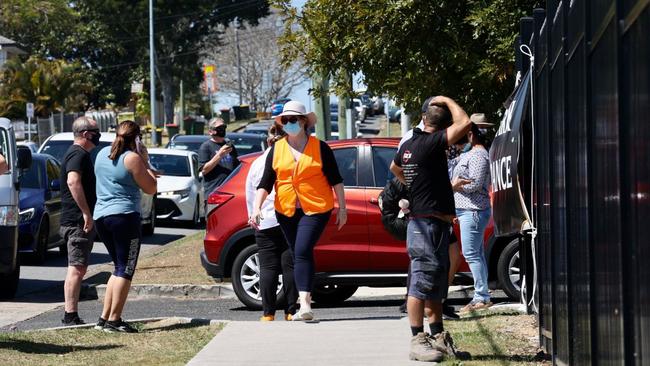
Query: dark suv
(361, 254)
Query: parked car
(245, 143)
(31, 145)
(18, 160)
(180, 187)
(57, 145)
(394, 113)
(366, 100)
(187, 142)
(363, 253)
(260, 128)
(378, 105)
(277, 105)
(40, 207)
(360, 108)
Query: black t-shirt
(77, 159)
(330, 168)
(220, 172)
(424, 161)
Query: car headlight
(9, 216)
(27, 215)
(183, 193)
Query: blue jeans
(472, 228)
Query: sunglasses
(95, 130)
(292, 119)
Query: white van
(18, 160)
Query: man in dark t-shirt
(421, 164)
(217, 158)
(78, 199)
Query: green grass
(159, 343)
(496, 339)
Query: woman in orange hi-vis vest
(304, 172)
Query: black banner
(508, 208)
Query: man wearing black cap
(421, 164)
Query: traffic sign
(136, 88)
(30, 110)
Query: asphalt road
(40, 278)
(356, 308)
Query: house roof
(6, 41)
(10, 45)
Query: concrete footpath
(330, 342)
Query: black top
(77, 159)
(330, 168)
(424, 161)
(220, 172)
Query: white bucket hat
(295, 108)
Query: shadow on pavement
(160, 239)
(26, 346)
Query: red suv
(361, 254)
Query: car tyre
(148, 229)
(245, 279)
(332, 294)
(196, 218)
(42, 241)
(508, 269)
(9, 282)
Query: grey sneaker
(442, 342)
(421, 349)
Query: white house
(8, 49)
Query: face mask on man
(292, 128)
(467, 147)
(219, 131)
(95, 138)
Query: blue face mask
(467, 147)
(292, 128)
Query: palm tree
(52, 85)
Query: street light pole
(152, 77)
(238, 59)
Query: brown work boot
(421, 349)
(442, 342)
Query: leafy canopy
(410, 49)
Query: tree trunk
(167, 83)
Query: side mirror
(24, 158)
(55, 185)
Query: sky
(299, 93)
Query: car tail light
(217, 199)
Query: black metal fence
(592, 185)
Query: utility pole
(238, 58)
(152, 77)
(181, 123)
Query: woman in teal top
(121, 170)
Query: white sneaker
(303, 316)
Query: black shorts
(121, 235)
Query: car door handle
(374, 201)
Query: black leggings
(302, 232)
(275, 259)
(121, 236)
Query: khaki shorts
(79, 244)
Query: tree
(264, 76)
(410, 49)
(53, 86)
(182, 27)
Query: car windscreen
(32, 177)
(174, 165)
(187, 146)
(59, 148)
(258, 131)
(247, 145)
(4, 146)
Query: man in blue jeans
(421, 164)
